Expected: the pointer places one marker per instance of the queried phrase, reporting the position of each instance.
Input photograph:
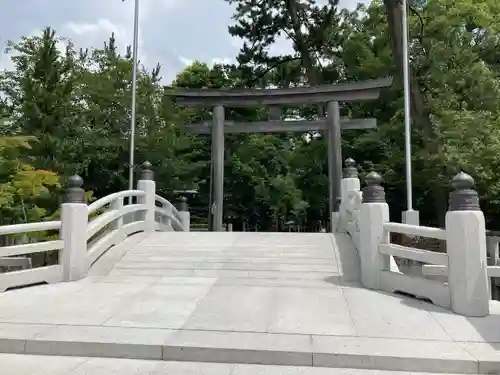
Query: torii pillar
(274, 98)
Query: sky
(173, 33)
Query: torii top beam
(341, 92)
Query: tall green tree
(306, 24)
(42, 100)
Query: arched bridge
(135, 292)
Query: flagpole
(134, 100)
(406, 82)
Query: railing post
(373, 214)
(147, 184)
(117, 205)
(466, 248)
(184, 214)
(74, 220)
(167, 220)
(350, 182)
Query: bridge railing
(457, 279)
(49, 274)
(351, 202)
(168, 217)
(86, 232)
(493, 252)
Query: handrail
(415, 230)
(166, 202)
(31, 248)
(29, 227)
(106, 226)
(111, 197)
(105, 219)
(176, 222)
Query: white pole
(134, 89)
(406, 82)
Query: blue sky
(172, 32)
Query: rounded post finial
(464, 197)
(74, 191)
(373, 178)
(350, 170)
(75, 181)
(374, 191)
(146, 171)
(463, 181)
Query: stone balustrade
(364, 215)
(86, 231)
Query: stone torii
(274, 99)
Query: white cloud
(217, 60)
(86, 28)
(94, 34)
(185, 61)
(193, 29)
(223, 60)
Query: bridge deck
(270, 298)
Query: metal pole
(134, 89)
(406, 82)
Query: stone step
(252, 348)
(13, 364)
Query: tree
(259, 181)
(24, 190)
(305, 23)
(41, 98)
(77, 104)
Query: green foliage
(69, 111)
(26, 190)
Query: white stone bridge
(136, 297)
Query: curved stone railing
(457, 279)
(86, 232)
(394, 281)
(108, 229)
(49, 274)
(168, 217)
(492, 268)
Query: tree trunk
(305, 53)
(300, 41)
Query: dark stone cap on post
(464, 196)
(147, 172)
(183, 205)
(373, 191)
(74, 191)
(350, 170)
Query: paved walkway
(288, 299)
(55, 365)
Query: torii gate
(274, 99)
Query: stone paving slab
(56, 365)
(257, 348)
(281, 312)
